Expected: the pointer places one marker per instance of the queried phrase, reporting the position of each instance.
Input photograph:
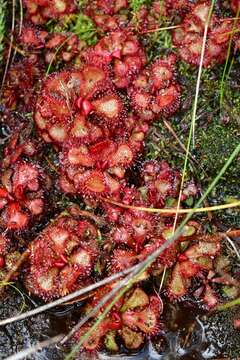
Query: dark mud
(187, 334)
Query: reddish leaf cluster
(40, 11)
(83, 113)
(98, 169)
(188, 37)
(191, 263)
(179, 6)
(150, 18)
(160, 182)
(135, 233)
(108, 15)
(32, 37)
(123, 51)
(62, 46)
(68, 44)
(96, 115)
(62, 257)
(235, 5)
(21, 195)
(133, 318)
(215, 278)
(155, 91)
(23, 183)
(22, 83)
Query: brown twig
(161, 29)
(53, 167)
(74, 210)
(20, 51)
(233, 233)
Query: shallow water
(187, 335)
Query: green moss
(85, 29)
(160, 145)
(78, 24)
(158, 43)
(214, 146)
(136, 4)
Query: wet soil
(187, 334)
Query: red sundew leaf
(55, 84)
(98, 296)
(40, 11)
(80, 156)
(145, 320)
(92, 76)
(202, 11)
(62, 257)
(112, 184)
(131, 46)
(120, 234)
(122, 259)
(59, 236)
(222, 34)
(188, 269)
(109, 107)
(178, 285)
(26, 176)
(55, 40)
(122, 156)
(168, 100)
(235, 5)
(189, 37)
(95, 182)
(210, 298)
(94, 341)
(203, 248)
(31, 37)
(43, 283)
(14, 217)
(35, 206)
(102, 150)
(203, 262)
(181, 6)
(162, 74)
